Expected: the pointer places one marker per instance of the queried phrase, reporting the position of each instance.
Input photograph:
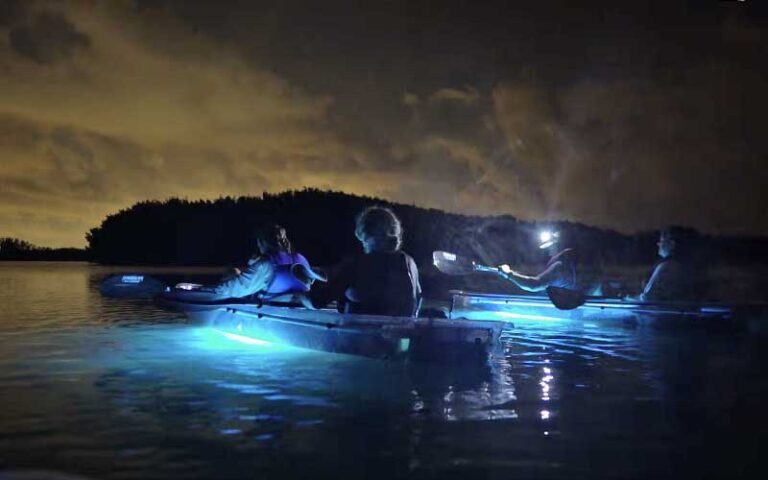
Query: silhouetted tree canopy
(16, 249)
(321, 225)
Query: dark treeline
(16, 249)
(321, 225)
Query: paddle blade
(452, 264)
(131, 286)
(565, 298)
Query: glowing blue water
(118, 389)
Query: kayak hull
(383, 337)
(531, 309)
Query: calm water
(118, 389)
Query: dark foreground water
(118, 389)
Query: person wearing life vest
(675, 277)
(560, 270)
(276, 269)
(383, 279)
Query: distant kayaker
(675, 277)
(276, 269)
(563, 269)
(560, 270)
(383, 280)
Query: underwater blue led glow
(511, 303)
(525, 316)
(243, 339)
(214, 338)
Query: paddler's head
(549, 239)
(272, 238)
(677, 241)
(379, 230)
(666, 243)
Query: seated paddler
(382, 279)
(566, 268)
(676, 276)
(559, 271)
(274, 272)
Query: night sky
(622, 114)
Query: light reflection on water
(120, 389)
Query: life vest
(567, 277)
(384, 283)
(284, 281)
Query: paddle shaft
(452, 264)
(486, 268)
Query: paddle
(565, 298)
(452, 264)
(136, 285)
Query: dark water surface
(118, 389)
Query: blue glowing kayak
(526, 309)
(420, 339)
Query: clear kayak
(522, 309)
(291, 323)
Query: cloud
(47, 37)
(96, 111)
(103, 104)
(466, 96)
(639, 155)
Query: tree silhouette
(16, 249)
(321, 225)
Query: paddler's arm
(339, 278)
(654, 288)
(414, 273)
(256, 277)
(531, 283)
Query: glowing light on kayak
(512, 303)
(243, 339)
(525, 316)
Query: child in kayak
(275, 270)
(383, 280)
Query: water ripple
(120, 389)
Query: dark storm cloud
(47, 37)
(11, 11)
(633, 155)
(622, 114)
